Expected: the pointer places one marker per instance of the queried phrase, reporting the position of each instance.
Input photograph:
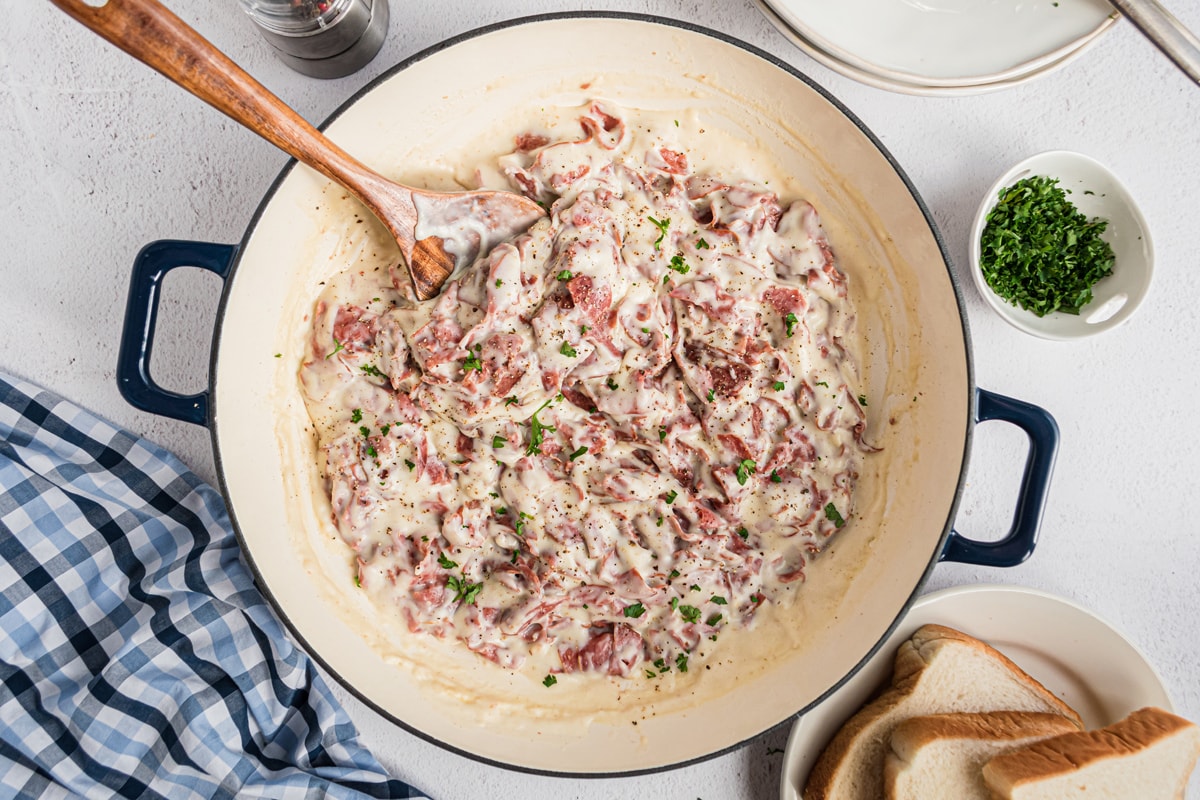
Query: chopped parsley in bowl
(1059, 248)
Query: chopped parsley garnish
(565, 275)
(660, 522)
(356, 415)
(446, 563)
(371, 451)
(279, 355)
(678, 265)
(384, 429)
(583, 329)
(831, 514)
(674, 574)
(498, 441)
(712, 395)
(1039, 252)
(549, 681)
(501, 511)
(821, 383)
(358, 581)
(701, 245)
(372, 370)
(409, 464)
(674, 603)
(636, 610)
(713, 620)
(742, 532)
(862, 399)
(745, 468)
(611, 384)
(666, 279)
(662, 226)
(581, 451)
(651, 673)
(718, 599)
(645, 330)
(463, 591)
(499, 283)
(695, 587)
(511, 400)
(689, 613)
(337, 348)
(671, 495)
(661, 665)
(567, 350)
(662, 432)
(681, 662)
(790, 321)
(364, 430)
(779, 386)
(775, 477)
(472, 362)
(537, 431)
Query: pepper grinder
(321, 38)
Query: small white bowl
(1096, 192)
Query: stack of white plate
(941, 47)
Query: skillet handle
(1018, 544)
(141, 315)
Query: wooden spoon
(437, 232)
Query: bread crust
(917, 732)
(912, 657)
(1073, 752)
(1000, 730)
(928, 636)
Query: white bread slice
(938, 671)
(942, 755)
(1149, 755)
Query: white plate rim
(892, 84)
(793, 759)
(857, 62)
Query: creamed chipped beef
(612, 438)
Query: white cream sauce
(612, 439)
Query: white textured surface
(102, 156)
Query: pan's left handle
(141, 315)
(1017, 545)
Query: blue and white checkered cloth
(137, 659)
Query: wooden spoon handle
(149, 32)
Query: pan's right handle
(1017, 545)
(141, 315)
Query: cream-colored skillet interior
(474, 96)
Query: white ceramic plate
(1074, 653)
(932, 47)
(1096, 192)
